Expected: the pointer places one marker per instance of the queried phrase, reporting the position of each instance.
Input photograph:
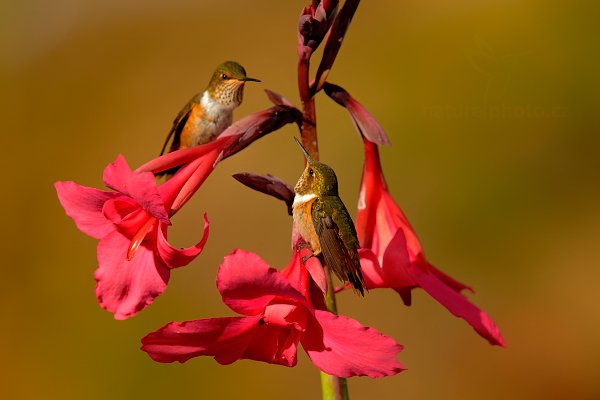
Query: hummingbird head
(317, 179)
(227, 83)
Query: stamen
(139, 237)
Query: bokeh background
(493, 111)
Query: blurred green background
(493, 111)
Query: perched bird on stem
(324, 223)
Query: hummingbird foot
(303, 245)
(307, 257)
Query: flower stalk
(332, 387)
(317, 21)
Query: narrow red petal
(180, 157)
(460, 306)
(448, 280)
(317, 273)
(139, 237)
(202, 171)
(174, 258)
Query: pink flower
(278, 312)
(134, 257)
(392, 256)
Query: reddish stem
(308, 129)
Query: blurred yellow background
(493, 111)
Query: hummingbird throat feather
(303, 198)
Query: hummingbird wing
(178, 124)
(339, 244)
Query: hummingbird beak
(250, 80)
(306, 155)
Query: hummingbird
(210, 112)
(322, 220)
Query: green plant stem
(332, 387)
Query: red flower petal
(173, 257)
(460, 306)
(126, 214)
(140, 186)
(247, 284)
(397, 263)
(285, 314)
(341, 346)
(126, 287)
(300, 274)
(84, 205)
(121, 209)
(180, 157)
(203, 167)
(274, 344)
(317, 273)
(224, 338)
(371, 269)
(448, 280)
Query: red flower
(392, 256)
(278, 313)
(134, 257)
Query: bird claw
(301, 246)
(306, 257)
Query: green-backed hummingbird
(322, 220)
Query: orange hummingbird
(210, 112)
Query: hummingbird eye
(311, 172)
(224, 77)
